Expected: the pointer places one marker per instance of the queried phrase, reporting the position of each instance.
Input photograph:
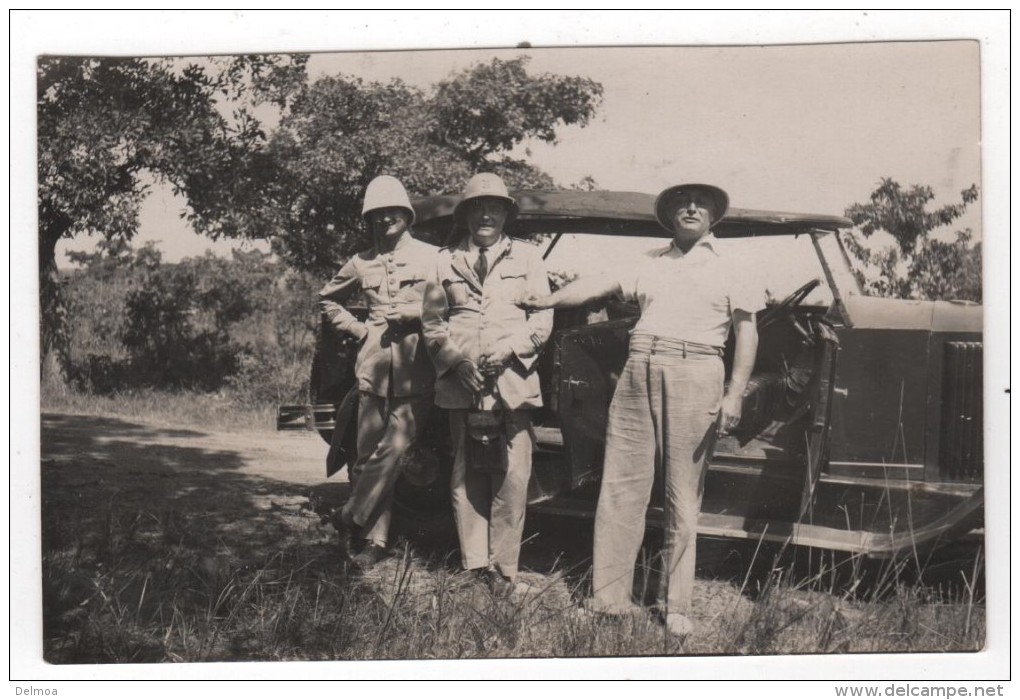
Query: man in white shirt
(669, 403)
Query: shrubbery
(244, 325)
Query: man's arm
(526, 346)
(744, 355)
(577, 293)
(337, 291)
(435, 327)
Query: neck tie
(481, 264)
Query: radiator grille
(961, 446)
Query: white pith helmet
(386, 191)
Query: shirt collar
(402, 242)
(708, 242)
(493, 250)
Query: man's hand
(533, 302)
(729, 414)
(494, 362)
(397, 315)
(360, 332)
(469, 377)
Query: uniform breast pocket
(412, 283)
(513, 278)
(370, 284)
(372, 281)
(457, 293)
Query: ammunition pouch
(485, 441)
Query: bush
(244, 324)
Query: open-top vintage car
(861, 427)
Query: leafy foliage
(340, 132)
(106, 125)
(206, 323)
(918, 266)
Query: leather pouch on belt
(485, 444)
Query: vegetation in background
(341, 132)
(918, 265)
(106, 126)
(244, 326)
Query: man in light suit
(484, 347)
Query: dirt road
(230, 496)
(293, 457)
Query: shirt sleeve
(335, 294)
(435, 325)
(627, 276)
(527, 346)
(747, 291)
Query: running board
(306, 417)
(959, 520)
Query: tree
(105, 124)
(305, 191)
(918, 266)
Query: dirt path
(294, 457)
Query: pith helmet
(386, 191)
(484, 185)
(666, 202)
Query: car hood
(908, 314)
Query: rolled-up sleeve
(335, 294)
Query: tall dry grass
(221, 411)
(132, 586)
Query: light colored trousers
(662, 417)
(489, 505)
(387, 427)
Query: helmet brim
(666, 203)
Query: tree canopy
(109, 126)
(919, 265)
(303, 191)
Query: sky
(805, 128)
(802, 128)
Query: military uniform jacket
(465, 319)
(392, 359)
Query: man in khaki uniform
(484, 348)
(395, 376)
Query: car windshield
(781, 263)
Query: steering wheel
(786, 306)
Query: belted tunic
(392, 360)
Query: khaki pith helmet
(386, 191)
(666, 202)
(484, 185)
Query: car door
(588, 363)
